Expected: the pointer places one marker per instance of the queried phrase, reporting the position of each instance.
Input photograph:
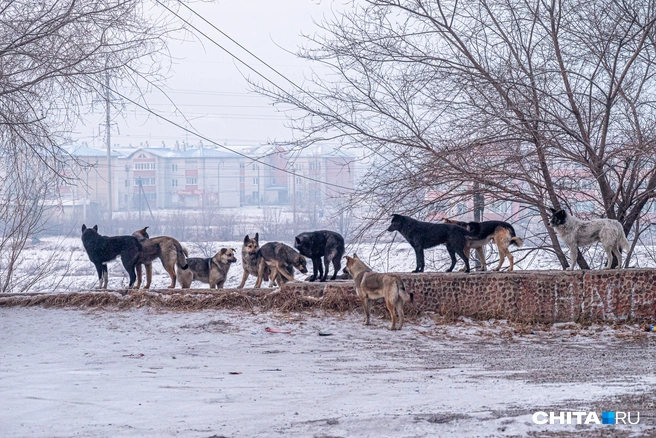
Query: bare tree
(55, 56)
(545, 102)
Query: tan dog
(169, 251)
(281, 260)
(502, 233)
(371, 286)
(212, 270)
(250, 259)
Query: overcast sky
(208, 85)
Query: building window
(192, 181)
(151, 196)
(127, 183)
(242, 165)
(256, 181)
(144, 166)
(191, 164)
(144, 181)
(174, 167)
(273, 181)
(174, 183)
(242, 179)
(299, 180)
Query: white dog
(576, 232)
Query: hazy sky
(206, 83)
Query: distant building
(202, 177)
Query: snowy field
(143, 373)
(57, 264)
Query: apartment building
(201, 177)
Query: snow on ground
(71, 270)
(144, 373)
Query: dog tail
(182, 255)
(624, 244)
(514, 240)
(404, 294)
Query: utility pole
(294, 197)
(479, 206)
(109, 147)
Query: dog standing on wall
(167, 249)
(371, 286)
(317, 244)
(281, 260)
(423, 235)
(502, 233)
(250, 259)
(576, 232)
(213, 270)
(103, 249)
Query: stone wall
(528, 296)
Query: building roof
(86, 151)
(172, 153)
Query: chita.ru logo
(607, 417)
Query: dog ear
(553, 210)
(355, 256)
(84, 227)
(257, 237)
(223, 250)
(95, 227)
(246, 239)
(348, 259)
(297, 240)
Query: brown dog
(281, 260)
(371, 286)
(212, 270)
(250, 260)
(169, 251)
(502, 233)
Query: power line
(291, 97)
(256, 160)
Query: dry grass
(335, 300)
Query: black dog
(317, 244)
(102, 249)
(424, 235)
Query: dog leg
(618, 253)
(609, 256)
(260, 273)
(573, 255)
(316, 264)
(326, 262)
(244, 277)
(105, 277)
(171, 271)
(99, 271)
(399, 311)
(367, 309)
(390, 307)
(480, 252)
(419, 255)
(502, 259)
(452, 254)
(511, 258)
(464, 258)
(139, 271)
(337, 265)
(284, 273)
(273, 277)
(149, 275)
